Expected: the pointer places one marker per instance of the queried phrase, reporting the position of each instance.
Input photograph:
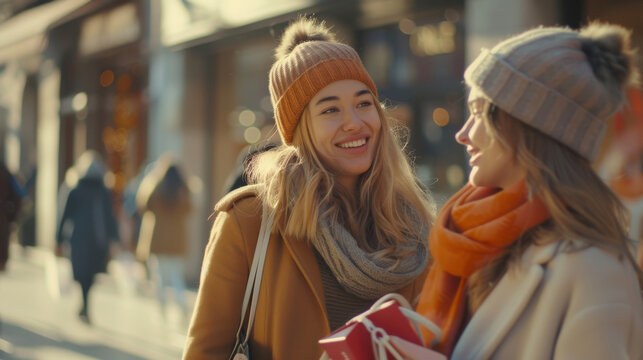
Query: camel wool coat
(559, 305)
(291, 311)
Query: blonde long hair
(583, 209)
(302, 191)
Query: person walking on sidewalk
(350, 220)
(10, 201)
(531, 256)
(164, 200)
(89, 209)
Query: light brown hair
(582, 207)
(299, 187)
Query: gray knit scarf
(357, 272)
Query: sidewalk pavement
(39, 313)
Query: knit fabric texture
(543, 78)
(311, 66)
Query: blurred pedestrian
(89, 209)
(27, 227)
(69, 182)
(531, 256)
(132, 216)
(164, 199)
(10, 200)
(350, 219)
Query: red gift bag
(387, 331)
(412, 351)
(351, 341)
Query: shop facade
(136, 79)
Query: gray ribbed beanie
(562, 82)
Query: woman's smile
(354, 144)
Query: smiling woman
(492, 163)
(350, 220)
(531, 257)
(344, 128)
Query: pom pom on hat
(299, 32)
(307, 60)
(610, 54)
(562, 82)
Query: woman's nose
(462, 136)
(352, 120)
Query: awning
(25, 34)
(189, 22)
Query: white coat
(559, 305)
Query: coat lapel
(502, 308)
(307, 264)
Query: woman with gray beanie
(531, 257)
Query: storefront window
(251, 119)
(417, 64)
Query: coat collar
(300, 250)
(504, 305)
(226, 202)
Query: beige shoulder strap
(256, 270)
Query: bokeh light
(441, 117)
(455, 176)
(106, 78)
(79, 101)
(252, 135)
(247, 118)
(124, 82)
(407, 26)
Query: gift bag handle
(415, 318)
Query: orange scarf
(474, 226)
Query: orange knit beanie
(307, 60)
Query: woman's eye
(364, 104)
(330, 110)
(476, 115)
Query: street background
(134, 80)
(36, 323)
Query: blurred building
(73, 75)
(135, 79)
(413, 49)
